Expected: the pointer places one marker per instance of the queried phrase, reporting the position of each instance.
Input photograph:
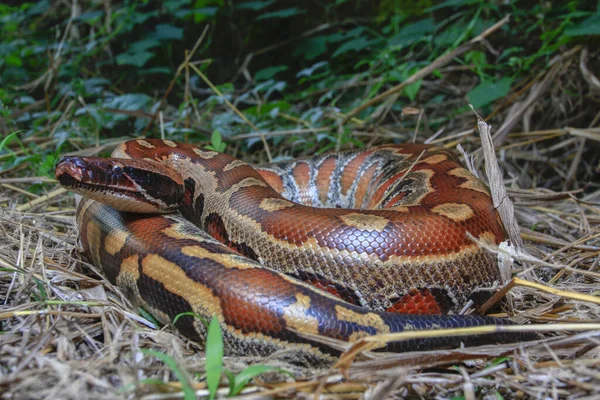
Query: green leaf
(217, 143)
(137, 59)
(90, 17)
(451, 3)
(412, 33)
(13, 60)
(487, 91)
(214, 357)
(142, 45)
(413, 89)
(357, 44)
(255, 5)
(269, 72)
(188, 391)
(149, 317)
(311, 48)
(590, 26)
(7, 139)
(167, 32)
(46, 168)
(191, 314)
(242, 379)
(285, 13)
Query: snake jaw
(135, 185)
(68, 169)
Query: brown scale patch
(214, 226)
(271, 204)
(114, 241)
(272, 179)
(301, 174)
(323, 180)
(296, 316)
(363, 186)
(455, 211)
(368, 319)
(252, 298)
(170, 143)
(175, 281)
(417, 302)
(365, 221)
(350, 171)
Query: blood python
(342, 245)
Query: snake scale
(341, 245)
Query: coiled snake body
(385, 229)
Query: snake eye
(117, 170)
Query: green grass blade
(188, 391)
(214, 357)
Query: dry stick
(234, 108)
(501, 200)
(179, 69)
(19, 190)
(186, 97)
(440, 61)
(42, 199)
(30, 179)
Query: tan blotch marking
(471, 181)
(402, 209)
(296, 316)
(227, 260)
(176, 234)
(247, 182)
(454, 211)
(201, 298)
(234, 164)
(93, 236)
(207, 154)
(370, 319)
(365, 221)
(170, 143)
(270, 204)
(129, 273)
(435, 159)
(114, 241)
(145, 144)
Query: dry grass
(68, 333)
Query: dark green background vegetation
(75, 75)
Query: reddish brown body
(399, 243)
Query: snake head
(128, 185)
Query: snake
(339, 245)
